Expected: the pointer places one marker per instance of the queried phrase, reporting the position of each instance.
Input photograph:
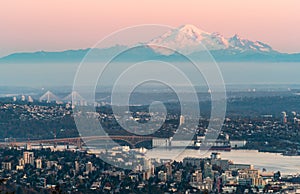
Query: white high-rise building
(181, 120)
(89, 167)
(6, 165)
(30, 99)
(284, 117)
(38, 163)
(28, 158)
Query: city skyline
(149, 96)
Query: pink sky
(71, 24)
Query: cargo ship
(217, 145)
(200, 143)
(212, 144)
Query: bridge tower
(49, 97)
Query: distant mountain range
(187, 39)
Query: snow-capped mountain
(189, 39)
(236, 42)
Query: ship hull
(213, 148)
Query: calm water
(269, 161)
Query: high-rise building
(207, 171)
(147, 164)
(21, 162)
(38, 163)
(146, 175)
(284, 117)
(76, 166)
(139, 168)
(89, 167)
(148, 169)
(28, 146)
(181, 120)
(178, 176)
(196, 177)
(6, 165)
(28, 158)
(169, 169)
(23, 98)
(30, 99)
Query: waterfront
(270, 161)
(260, 160)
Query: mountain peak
(238, 43)
(188, 39)
(189, 28)
(236, 37)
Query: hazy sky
(33, 25)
